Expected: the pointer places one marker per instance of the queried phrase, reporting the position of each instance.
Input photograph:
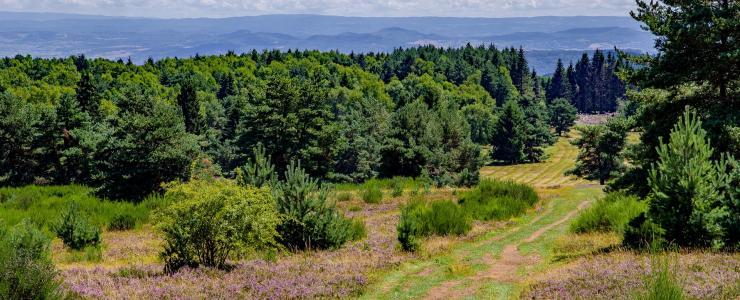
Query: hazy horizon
(176, 9)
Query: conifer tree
(188, 101)
(562, 115)
(508, 140)
(681, 183)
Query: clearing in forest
(493, 265)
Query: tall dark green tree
(190, 106)
(508, 140)
(563, 115)
(559, 85)
(684, 27)
(600, 148)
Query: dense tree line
(124, 129)
(593, 85)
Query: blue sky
(226, 8)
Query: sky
(366, 8)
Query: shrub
(498, 200)
(75, 229)
(210, 220)
(122, 221)
(371, 193)
(309, 220)
(358, 230)
(642, 233)
(420, 219)
(343, 197)
(611, 213)
(26, 271)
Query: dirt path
(494, 265)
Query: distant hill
(54, 35)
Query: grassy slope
(493, 265)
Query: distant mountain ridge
(55, 35)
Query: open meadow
(532, 256)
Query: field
(532, 256)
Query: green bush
(208, 221)
(371, 193)
(611, 213)
(122, 221)
(642, 233)
(26, 270)
(309, 220)
(498, 200)
(75, 229)
(421, 219)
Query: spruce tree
(508, 140)
(188, 101)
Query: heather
(702, 275)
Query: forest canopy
(124, 129)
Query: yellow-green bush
(209, 221)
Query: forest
(424, 172)
(124, 129)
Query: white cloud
(222, 8)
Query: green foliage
(396, 186)
(371, 192)
(146, 146)
(420, 219)
(686, 26)
(508, 141)
(41, 205)
(562, 115)
(122, 221)
(26, 269)
(209, 221)
(75, 228)
(600, 150)
(258, 172)
(608, 214)
(642, 233)
(309, 221)
(498, 200)
(685, 200)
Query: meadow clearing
(533, 256)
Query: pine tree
(682, 186)
(560, 85)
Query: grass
(42, 205)
(498, 200)
(608, 214)
(662, 283)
